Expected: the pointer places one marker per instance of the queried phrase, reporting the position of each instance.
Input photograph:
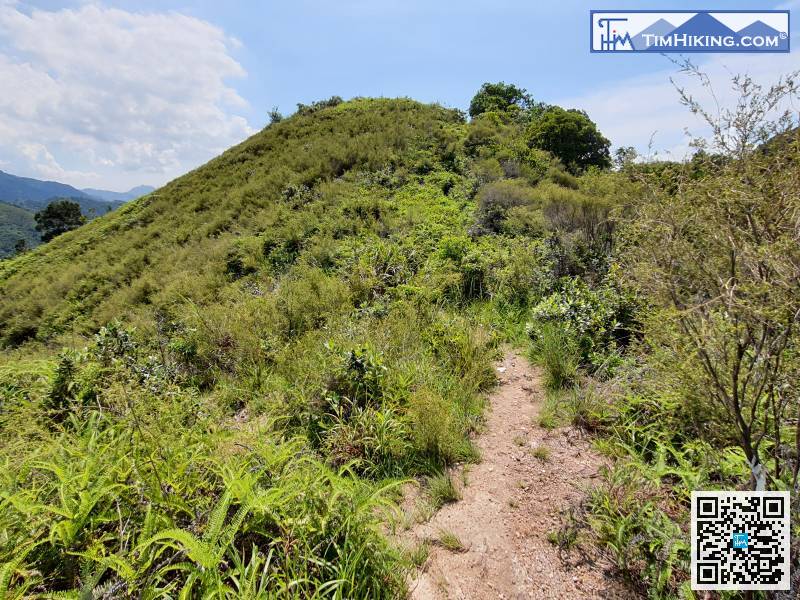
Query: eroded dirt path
(512, 501)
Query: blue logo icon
(689, 31)
(740, 540)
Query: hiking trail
(511, 501)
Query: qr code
(740, 540)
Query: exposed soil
(512, 501)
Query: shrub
(308, 109)
(495, 199)
(306, 298)
(556, 350)
(374, 442)
(63, 388)
(558, 175)
(361, 378)
(598, 320)
(525, 275)
(435, 427)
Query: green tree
(500, 97)
(58, 217)
(20, 246)
(571, 136)
(275, 116)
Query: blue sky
(169, 84)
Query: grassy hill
(177, 243)
(318, 277)
(216, 389)
(16, 224)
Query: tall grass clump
(557, 352)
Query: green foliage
(499, 97)
(255, 350)
(571, 137)
(62, 392)
(16, 224)
(495, 200)
(720, 261)
(58, 217)
(637, 527)
(597, 321)
(556, 350)
(307, 109)
(441, 490)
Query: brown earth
(511, 501)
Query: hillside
(16, 224)
(221, 388)
(179, 242)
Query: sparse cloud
(129, 97)
(632, 111)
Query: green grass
(450, 541)
(541, 453)
(418, 555)
(555, 350)
(441, 490)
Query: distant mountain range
(21, 197)
(35, 194)
(131, 194)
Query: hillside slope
(242, 364)
(176, 243)
(16, 224)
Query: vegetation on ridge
(216, 389)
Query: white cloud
(631, 111)
(135, 97)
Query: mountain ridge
(110, 196)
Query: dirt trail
(512, 501)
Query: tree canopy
(58, 217)
(499, 97)
(571, 136)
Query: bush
(63, 389)
(374, 442)
(525, 275)
(599, 320)
(435, 427)
(308, 109)
(495, 199)
(556, 350)
(306, 298)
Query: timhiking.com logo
(689, 31)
